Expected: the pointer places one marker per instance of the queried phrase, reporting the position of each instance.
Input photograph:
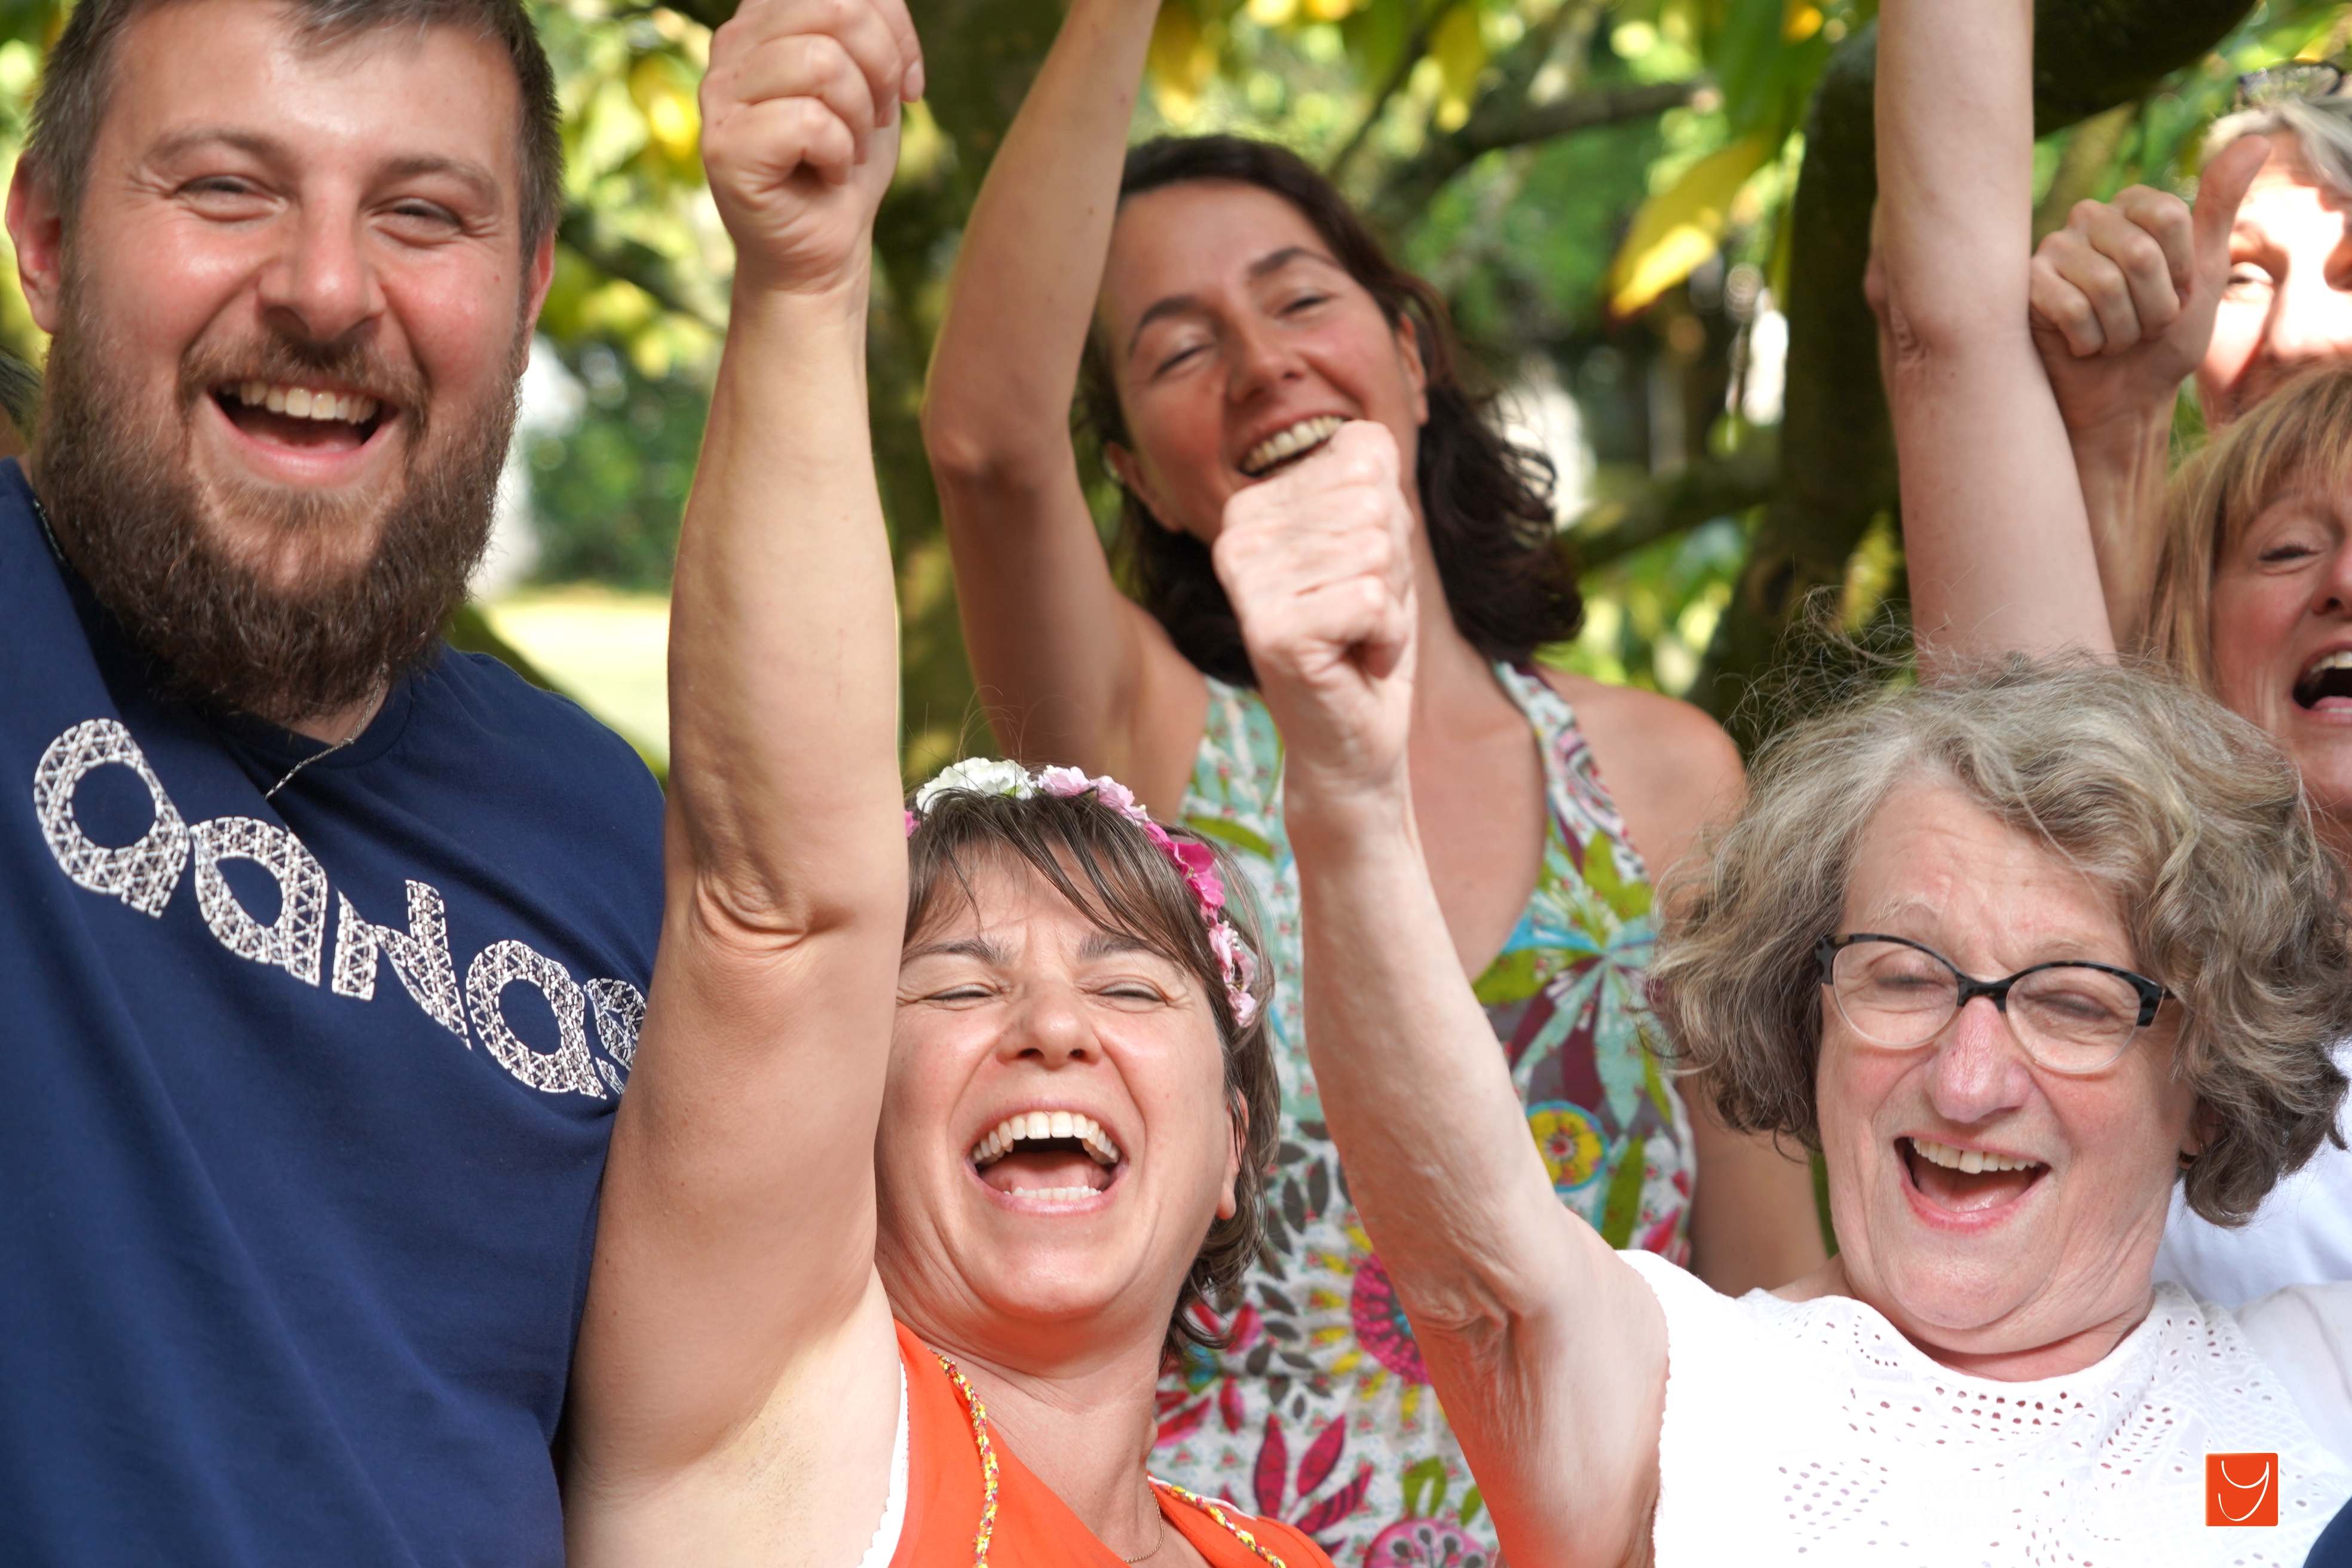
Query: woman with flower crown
(1218, 311)
(941, 1120)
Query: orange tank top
(947, 1491)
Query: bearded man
(322, 947)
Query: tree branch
(1416, 44)
(1408, 190)
(1605, 106)
(1837, 449)
(632, 262)
(1609, 531)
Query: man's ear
(1128, 469)
(1416, 374)
(38, 228)
(541, 275)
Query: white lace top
(1812, 1433)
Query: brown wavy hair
(2186, 814)
(1485, 500)
(1117, 877)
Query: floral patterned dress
(1319, 1412)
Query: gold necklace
(1158, 1545)
(989, 1481)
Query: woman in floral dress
(1318, 1408)
(1227, 313)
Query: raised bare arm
(1074, 671)
(1993, 519)
(735, 1255)
(1547, 1351)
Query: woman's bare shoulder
(1652, 746)
(1668, 766)
(1678, 733)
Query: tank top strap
(1581, 808)
(1237, 771)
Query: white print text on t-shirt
(144, 874)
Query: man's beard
(120, 485)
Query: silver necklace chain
(288, 777)
(41, 516)
(50, 533)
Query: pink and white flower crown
(1196, 861)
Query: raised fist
(2123, 297)
(799, 134)
(1317, 562)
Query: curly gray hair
(2321, 127)
(2186, 813)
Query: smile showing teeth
(1970, 1161)
(1042, 1127)
(2327, 677)
(1052, 1195)
(1292, 441)
(305, 403)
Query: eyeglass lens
(2069, 1016)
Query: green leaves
(1599, 188)
(1683, 225)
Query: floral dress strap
(1317, 1409)
(1581, 809)
(1237, 771)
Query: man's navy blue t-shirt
(303, 1101)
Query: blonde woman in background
(2133, 297)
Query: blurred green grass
(604, 647)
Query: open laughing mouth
(307, 418)
(2325, 685)
(1048, 1160)
(1289, 445)
(1966, 1182)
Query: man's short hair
(78, 75)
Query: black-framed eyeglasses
(2071, 1018)
(2289, 80)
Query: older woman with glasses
(2243, 579)
(2070, 1018)
(2019, 952)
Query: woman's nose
(1262, 357)
(2335, 596)
(1051, 1026)
(1978, 1069)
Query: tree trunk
(1837, 449)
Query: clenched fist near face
(1318, 563)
